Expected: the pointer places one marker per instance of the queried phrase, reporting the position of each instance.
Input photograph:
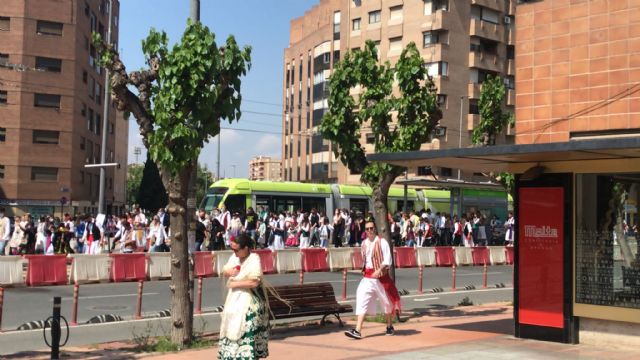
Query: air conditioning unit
(505, 81)
(507, 20)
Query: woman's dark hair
(243, 241)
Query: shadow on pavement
(501, 326)
(446, 311)
(99, 354)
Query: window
(395, 44)
(86, 43)
(326, 57)
(395, 13)
(439, 68)
(355, 24)
(4, 59)
(3, 97)
(83, 143)
(90, 120)
(424, 171)
(336, 25)
(87, 9)
(485, 14)
(511, 52)
(431, 6)
(46, 100)
(357, 3)
(84, 76)
(445, 171)
(48, 64)
(49, 28)
(442, 100)
(98, 128)
(92, 88)
(111, 128)
(370, 138)
(3, 134)
(5, 23)
(83, 111)
(1, 171)
(473, 107)
(40, 173)
(46, 137)
(81, 177)
(374, 17)
(89, 151)
(510, 82)
(433, 37)
(93, 22)
(98, 93)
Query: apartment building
(51, 106)
(462, 42)
(265, 168)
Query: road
(22, 305)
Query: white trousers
(93, 249)
(370, 290)
(304, 242)
(278, 243)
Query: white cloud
(269, 145)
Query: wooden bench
(306, 300)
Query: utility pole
(460, 129)
(105, 121)
(218, 162)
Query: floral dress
(244, 331)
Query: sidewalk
(475, 332)
(480, 332)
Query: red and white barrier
(426, 256)
(463, 256)
(11, 270)
(481, 256)
(266, 260)
(356, 259)
(314, 260)
(445, 256)
(498, 255)
(46, 270)
(221, 258)
(203, 266)
(288, 261)
(405, 257)
(510, 254)
(340, 258)
(128, 267)
(159, 265)
(90, 268)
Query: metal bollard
(301, 277)
(420, 277)
(139, 305)
(453, 277)
(344, 284)
(55, 329)
(484, 276)
(1, 303)
(199, 307)
(74, 308)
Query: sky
(262, 24)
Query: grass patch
(465, 302)
(380, 318)
(164, 345)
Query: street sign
(63, 200)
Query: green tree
(151, 193)
(134, 178)
(416, 115)
(203, 181)
(493, 117)
(193, 86)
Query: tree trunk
(381, 213)
(181, 304)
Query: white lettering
(540, 232)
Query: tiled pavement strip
(476, 332)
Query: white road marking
(427, 299)
(478, 274)
(443, 293)
(106, 296)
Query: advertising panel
(540, 251)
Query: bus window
(286, 203)
(213, 198)
(361, 205)
(409, 205)
(318, 203)
(236, 203)
(263, 202)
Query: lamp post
(105, 120)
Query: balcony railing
(487, 30)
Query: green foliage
(493, 119)
(416, 109)
(507, 180)
(134, 178)
(151, 195)
(198, 85)
(465, 302)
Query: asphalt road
(22, 305)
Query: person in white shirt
(376, 283)
(509, 225)
(5, 231)
(323, 233)
(140, 217)
(305, 233)
(279, 233)
(157, 235)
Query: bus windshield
(213, 198)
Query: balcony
(485, 61)
(472, 121)
(487, 30)
(473, 91)
(433, 53)
(511, 8)
(497, 5)
(511, 67)
(437, 21)
(511, 97)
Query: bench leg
(337, 315)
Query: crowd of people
(137, 232)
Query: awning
(519, 158)
(450, 183)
